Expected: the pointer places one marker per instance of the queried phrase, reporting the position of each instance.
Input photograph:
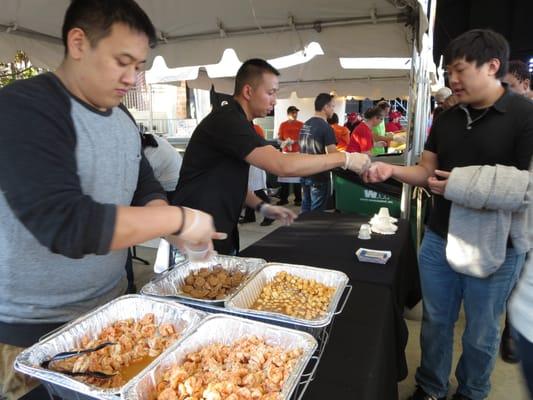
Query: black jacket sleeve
(38, 171)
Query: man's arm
(271, 160)
(331, 149)
(416, 175)
(379, 138)
(278, 213)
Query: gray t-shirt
(315, 136)
(64, 168)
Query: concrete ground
(507, 382)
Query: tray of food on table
(227, 357)
(207, 283)
(98, 353)
(297, 296)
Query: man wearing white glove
(214, 173)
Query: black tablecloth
(365, 357)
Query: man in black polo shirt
(490, 125)
(317, 137)
(214, 173)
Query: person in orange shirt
(259, 131)
(342, 134)
(289, 134)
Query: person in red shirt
(289, 134)
(361, 139)
(352, 120)
(394, 122)
(342, 134)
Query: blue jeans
(314, 195)
(525, 351)
(484, 301)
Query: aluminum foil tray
(242, 300)
(224, 329)
(169, 284)
(66, 338)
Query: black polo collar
(237, 105)
(502, 103)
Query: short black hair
(96, 17)
(383, 105)
(479, 46)
(321, 100)
(334, 119)
(251, 72)
(373, 112)
(519, 69)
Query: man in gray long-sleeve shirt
(71, 166)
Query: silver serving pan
(225, 329)
(242, 300)
(169, 284)
(67, 337)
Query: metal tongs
(69, 354)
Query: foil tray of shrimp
(243, 302)
(71, 336)
(208, 351)
(202, 277)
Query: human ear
(247, 92)
(494, 66)
(76, 43)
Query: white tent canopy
(197, 33)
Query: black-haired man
(214, 173)
(489, 126)
(70, 167)
(317, 137)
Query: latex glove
(278, 213)
(357, 162)
(380, 144)
(197, 233)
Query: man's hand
(279, 213)
(198, 231)
(357, 162)
(438, 186)
(378, 172)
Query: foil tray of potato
(223, 329)
(171, 284)
(69, 336)
(242, 301)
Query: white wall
(307, 109)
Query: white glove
(357, 162)
(197, 232)
(282, 214)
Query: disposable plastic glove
(357, 162)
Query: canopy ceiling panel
(197, 32)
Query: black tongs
(69, 354)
